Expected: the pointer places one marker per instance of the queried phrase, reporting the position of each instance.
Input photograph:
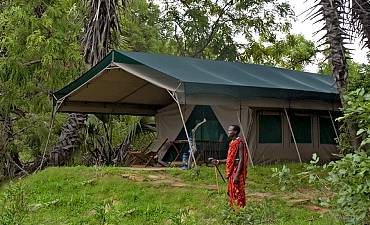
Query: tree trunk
(69, 140)
(335, 39)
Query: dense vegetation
(43, 47)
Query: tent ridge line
(126, 68)
(275, 88)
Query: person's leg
(241, 196)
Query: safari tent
(285, 115)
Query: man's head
(233, 131)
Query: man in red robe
(236, 167)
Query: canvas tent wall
(266, 129)
(139, 84)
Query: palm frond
(361, 20)
(137, 125)
(102, 30)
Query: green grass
(101, 195)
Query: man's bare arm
(240, 163)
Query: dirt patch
(316, 208)
(178, 184)
(299, 201)
(154, 177)
(259, 196)
(134, 177)
(138, 168)
(304, 199)
(158, 179)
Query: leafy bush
(350, 176)
(358, 109)
(251, 214)
(284, 176)
(350, 181)
(13, 205)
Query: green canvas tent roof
(191, 77)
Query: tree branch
(213, 29)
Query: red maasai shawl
(236, 192)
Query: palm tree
(338, 16)
(101, 32)
(361, 19)
(335, 38)
(334, 15)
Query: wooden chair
(209, 149)
(148, 157)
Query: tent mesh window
(270, 130)
(327, 133)
(211, 138)
(301, 126)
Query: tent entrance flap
(210, 137)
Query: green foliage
(283, 175)
(359, 76)
(208, 29)
(350, 180)
(355, 111)
(40, 52)
(358, 109)
(349, 177)
(290, 177)
(143, 29)
(293, 52)
(252, 214)
(13, 206)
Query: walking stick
(219, 172)
(218, 187)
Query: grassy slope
(82, 195)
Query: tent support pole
(175, 98)
(332, 122)
(52, 119)
(291, 131)
(245, 138)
